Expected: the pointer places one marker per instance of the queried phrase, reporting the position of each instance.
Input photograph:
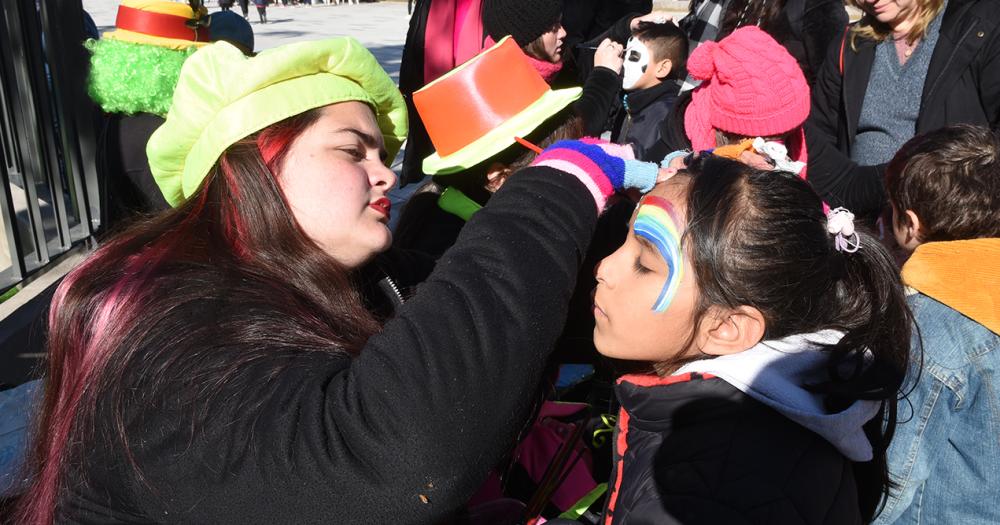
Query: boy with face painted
(639, 83)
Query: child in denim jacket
(944, 188)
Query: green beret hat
(223, 96)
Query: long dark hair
(236, 242)
(758, 238)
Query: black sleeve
(620, 32)
(411, 67)
(409, 429)
(839, 180)
(612, 13)
(598, 98)
(823, 24)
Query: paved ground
(380, 26)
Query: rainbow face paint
(657, 221)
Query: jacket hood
(777, 372)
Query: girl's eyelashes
(639, 268)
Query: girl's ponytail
(871, 360)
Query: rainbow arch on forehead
(657, 222)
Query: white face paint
(636, 61)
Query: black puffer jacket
(693, 449)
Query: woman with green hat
(219, 363)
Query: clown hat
(476, 110)
(159, 23)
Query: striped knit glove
(600, 166)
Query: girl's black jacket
(403, 433)
(693, 449)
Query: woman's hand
(755, 160)
(609, 55)
(656, 17)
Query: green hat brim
(502, 137)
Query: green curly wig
(133, 78)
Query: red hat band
(158, 24)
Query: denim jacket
(945, 455)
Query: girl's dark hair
(234, 242)
(758, 238)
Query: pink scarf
(546, 69)
(452, 36)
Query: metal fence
(50, 192)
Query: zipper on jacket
(394, 288)
(623, 136)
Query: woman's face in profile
(335, 182)
(553, 42)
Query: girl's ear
(726, 331)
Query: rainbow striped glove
(601, 166)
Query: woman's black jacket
(962, 86)
(403, 433)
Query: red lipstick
(382, 206)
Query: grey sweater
(892, 100)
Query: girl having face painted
(776, 339)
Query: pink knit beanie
(750, 86)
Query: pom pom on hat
(701, 64)
(524, 20)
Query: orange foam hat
(481, 107)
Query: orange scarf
(964, 275)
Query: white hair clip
(840, 223)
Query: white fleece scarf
(776, 372)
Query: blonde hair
(869, 27)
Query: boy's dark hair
(665, 41)
(950, 178)
(758, 238)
